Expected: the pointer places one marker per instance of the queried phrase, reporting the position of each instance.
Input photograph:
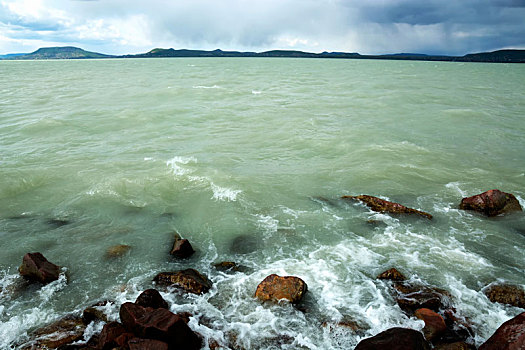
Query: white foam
(207, 87)
(267, 223)
(177, 165)
(47, 292)
(455, 186)
(224, 193)
(255, 92)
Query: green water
(129, 151)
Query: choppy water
(129, 151)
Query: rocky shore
(148, 323)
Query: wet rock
(506, 294)
(95, 312)
(244, 244)
(182, 248)
(117, 251)
(346, 323)
(147, 344)
(159, 324)
(412, 297)
(384, 206)
(434, 324)
(229, 266)
(458, 328)
(460, 345)
(395, 339)
(392, 275)
(108, 337)
(62, 332)
(151, 298)
(509, 336)
(57, 222)
(274, 288)
(189, 280)
(36, 267)
(491, 203)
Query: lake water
(95, 153)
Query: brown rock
(182, 248)
(395, 339)
(117, 251)
(506, 294)
(491, 203)
(384, 206)
(459, 328)
(190, 280)
(412, 297)
(460, 345)
(159, 324)
(62, 332)
(94, 312)
(36, 267)
(147, 344)
(151, 298)
(509, 336)
(434, 323)
(392, 275)
(274, 288)
(227, 266)
(109, 335)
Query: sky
(454, 27)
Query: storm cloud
(371, 27)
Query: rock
(117, 251)
(458, 328)
(94, 312)
(190, 280)
(506, 294)
(434, 323)
(182, 249)
(159, 324)
(59, 333)
(491, 203)
(36, 267)
(274, 288)
(392, 275)
(58, 222)
(412, 297)
(147, 344)
(509, 336)
(244, 244)
(108, 337)
(229, 266)
(395, 339)
(455, 346)
(151, 298)
(384, 206)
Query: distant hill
(66, 52)
(511, 56)
(11, 55)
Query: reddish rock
(412, 297)
(395, 339)
(227, 266)
(434, 323)
(274, 288)
(182, 248)
(59, 333)
(147, 344)
(455, 346)
(509, 336)
(190, 280)
(109, 334)
(117, 251)
(491, 203)
(159, 324)
(392, 275)
(94, 312)
(384, 206)
(506, 294)
(151, 298)
(459, 328)
(36, 267)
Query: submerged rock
(58, 222)
(274, 288)
(395, 339)
(229, 266)
(190, 280)
(59, 333)
(506, 294)
(392, 275)
(117, 251)
(384, 206)
(434, 323)
(182, 248)
(244, 244)
(491, 203)
(36, 267)
(151, 298)
(95, 312)
(411, 297)
(509, 336)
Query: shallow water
(96, 153)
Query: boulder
(182, 248)
(189, 280)
(392, 275)
(434, 323)
(460, 345)
(117, 251)
(36, 267)
(59, 333)
(94, 312)
(151, 298)
(411, 297)
(491, 203)
(384, 206)
(158, 324)
(146, 344)
(108, 337)
(506, 294)
(395, 339)
(509, 336)
(459, 328)
(274, 288)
